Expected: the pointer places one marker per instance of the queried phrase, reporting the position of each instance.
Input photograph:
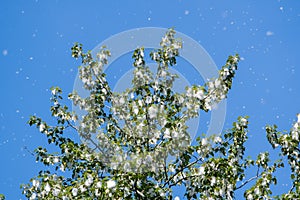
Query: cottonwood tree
(136, 143)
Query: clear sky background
(35, 42)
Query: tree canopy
(136, 143)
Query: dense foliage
(136, 144)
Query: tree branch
(249, 180)
(190, 164)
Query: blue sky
(35, 42)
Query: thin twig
(192, 163)
(25, 147)
(249, 180)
